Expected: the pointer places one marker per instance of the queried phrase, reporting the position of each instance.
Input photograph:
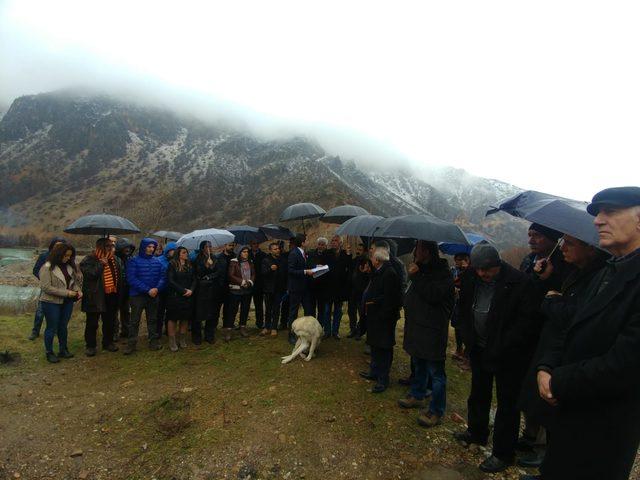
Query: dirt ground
(223, 411)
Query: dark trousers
(427, 374)
(57, 317)
(161, 322)
(140, 303)
(507, 422)
(353, 309)
(205, 313)
(38, 318)
(256, 296)
(459, 340)
(123, 317)
(242, 302)
(297, 299)
(284, 311)
(272, 310)
(381, 360)
(108, 322)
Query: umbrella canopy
(245, 234)
(101, 224)
(561, 214)
(215, 236)
(455, 248)
(167, 234)
(276, 231)
(343, 213)
(420, 227)
(301, 211)
(361, 226)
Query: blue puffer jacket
(164, 258)
(145, 272)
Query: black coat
(428, 304)
(339, 268)
(558, 312)
(511, 323)
(359, 279)
(296, 279)
(93, 296)
(221, 270)
(178, 306)
(595, 376)
(208, 277)
(273, 281)
(383, 299)
(257, 258)
(320, 286)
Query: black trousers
(123, 317)
(162, 313)
(353, 309)
(284, 312)
(242, 302)
(257, 297)
(272, 309)
(381, 360)
(204, 314)
(108, 323)
(148, 305)
(297, 299)
(507, 422)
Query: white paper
(319, 271)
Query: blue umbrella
(561, 214)
(455, 248)
(245, 234)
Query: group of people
(559, 337)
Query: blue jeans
(38, 319)
(336, 307)
(424, 371)
(57, 318)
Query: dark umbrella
(278, 232)
(343, 213)
(101, 224)
(301, 211)
(245, 234)
(561, 214)
(455, 248)
(167, 235)
(362, 226)
(420, 227)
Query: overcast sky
(544, 95)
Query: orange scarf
(109, 272)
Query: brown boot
(274, 333)
(264, 332)
(411, 402)
(428, 419)
(226, 334)
(243, 331)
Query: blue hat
(622, 197)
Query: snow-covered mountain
(63, 155)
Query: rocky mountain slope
(63, 155)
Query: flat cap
(623, 197)
(484, 255)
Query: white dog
(309, 332)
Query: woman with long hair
(205, 271)
(181, 283)
(60, 287)
(242, 275)
(102, 288)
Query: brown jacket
(53, 286)
(235, 278)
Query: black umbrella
(301, 211)
(362, 226)
(343, 213)
(278, 232)
(561, 214)
(420, 227)
(101, 224)
(168, 235)
(245, 234)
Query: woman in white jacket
(60, 287)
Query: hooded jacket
(42, 258)
(145, 272)
(164, 258)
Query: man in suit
(591, 374)
(298, 282)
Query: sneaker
(90, 352)
(33, 336)
(65, 354)
(428, 419)
(129, 349)
(112, 347)
(466, 438)
(51, 357)
(411, 402)
(494, 464)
